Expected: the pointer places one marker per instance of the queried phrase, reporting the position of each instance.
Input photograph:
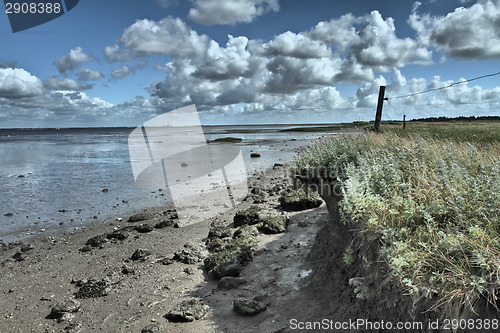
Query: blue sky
(122, 62)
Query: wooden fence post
(404, 121)
(380, 105)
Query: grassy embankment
(431, 195)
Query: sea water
(52, 179)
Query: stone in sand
(144, 228)
(254, 155)
(219, 232)
(246, 231)
(187, 311)
(248, 307)
(274, 224)
(164, 224)
(63, 311)
(190, 254)
(140, 254)
(121, 233)
(97, 241)
(139, 217)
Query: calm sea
(51, 179)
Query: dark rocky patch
(187, 311)
(254, 155)
(93, 288)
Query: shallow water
(53, 177)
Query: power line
(446, 87)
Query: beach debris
(62, 210)
(64, 311)
(248, 307)
(140, 254)
(187, 311)
(8, 214)
(144, 228)
(184, 164)
(97, 241)
(231, 282)
(20, 176)
(139, 217)
(190, 254)
(94, 288)
(254, 155)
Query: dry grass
(433, 199)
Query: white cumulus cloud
(212, 12)
(75, 57)
(169, 36)
(18, 83)
(469, 33)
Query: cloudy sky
(122, 62)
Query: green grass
(330, 128)
(227, 139)
(431, 195)
(477, 132)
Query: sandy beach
(40, 274)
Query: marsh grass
(432, 197)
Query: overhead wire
(446, 87)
